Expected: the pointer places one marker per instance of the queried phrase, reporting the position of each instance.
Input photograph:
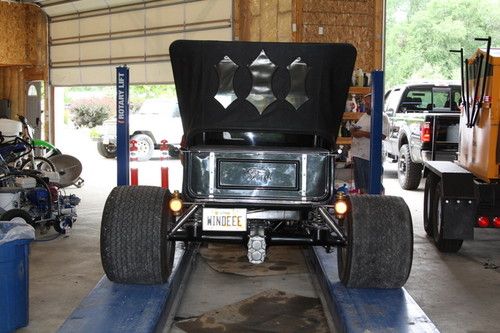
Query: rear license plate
(224, 219)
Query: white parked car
(156, 120)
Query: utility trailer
(465, 194)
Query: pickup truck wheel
(134, 245)
(106, 150)
(443, 245)
(430, 187)
(409, 172)
(145, 146)
(379, 250)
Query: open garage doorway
(85, 127)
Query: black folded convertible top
(268, 87)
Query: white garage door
(86, 45)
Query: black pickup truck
(423, 121)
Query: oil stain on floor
(230, 258)
(269, 311)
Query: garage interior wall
(23, 52)
(87, 46)
(263, 20)
(360, 23)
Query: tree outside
(89, 107)
(107, 95)
(420, 33)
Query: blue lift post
(122, 134)
(375, 186)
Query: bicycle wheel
(40, 164)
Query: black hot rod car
(260, 123)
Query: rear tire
(379, 250)
(106, 150)
(409, 172)
(134, 245)
(429, 192)
(443, 245)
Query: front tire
(106, 150)
(134, 245)
(443, 245)
(409, 172)
(379, 250)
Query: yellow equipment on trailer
(465, 194)
(480, 143)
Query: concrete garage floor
(460, 293)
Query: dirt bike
(44, 156)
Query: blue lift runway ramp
(365, 310)
(112, 307)
(117, 308)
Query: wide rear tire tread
(379, 251)
(134, 246)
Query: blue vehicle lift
(112, 307)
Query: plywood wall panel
(357, 7)
(12, 35)
(353, 20)
(284, 26)
(254, 7)
(263, 20)
(357, 22)
(36, 37)
(269, 21)
(13, 88)
(23, 39)
(284, 6)
(23, 51)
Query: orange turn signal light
(340, 206)
(175, 203)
